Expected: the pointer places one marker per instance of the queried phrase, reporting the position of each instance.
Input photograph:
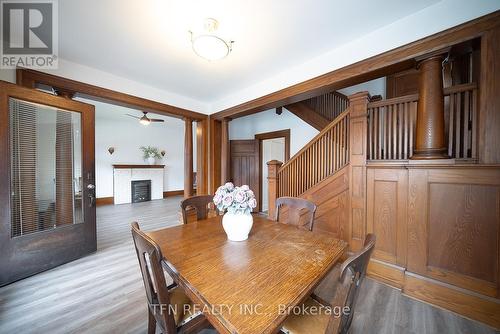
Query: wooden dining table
(246, 287)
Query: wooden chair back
(352, 273)
(299, 212)
(202, 205)
(149, 256)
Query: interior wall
(114, 129)
(247, 127)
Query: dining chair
(299, 212)
(168, 306)
(337, 292)
(200, 204)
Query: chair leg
(151, 322)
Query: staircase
(319, 111)
(319, 171)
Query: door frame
(81, 237)
(285, 133)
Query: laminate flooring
(103, 292)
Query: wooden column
(358, 128)
(273, 185)
(202, 157)
(214, 156)
(188, 157)
(489, 99)
(430, 135)
(225, 169)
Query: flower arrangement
(235, 199)
(150, 152)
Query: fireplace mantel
(123, 175)
(122, 166)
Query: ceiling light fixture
(208, 45)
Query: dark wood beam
(393, 61)
(31, 79)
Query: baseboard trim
(172, 193)
(387, 273)
(104, 201)
(466, 303)
(470, 305)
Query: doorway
(273, 146)
(47, 184)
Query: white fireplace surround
(123, 177)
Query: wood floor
(103, 292)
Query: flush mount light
(208, 45)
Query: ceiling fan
(145, 120)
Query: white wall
(126, 135)
(272, 149)
(246, 127)
(374, 87)
(430, 20)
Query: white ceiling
(147, 41)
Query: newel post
(358, 133)
(273, 185)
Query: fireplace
(141, 191)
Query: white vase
(237, 225)
(151, 160)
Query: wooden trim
(137, 166)
(396, 60)
(170, 193)
(202, 157)
(31, 78)
(387, 273)
(271, 135)
(104, 201)
(470, 305)
(277, 134)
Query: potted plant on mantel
(238, 202)
(150, 154)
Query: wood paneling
(489, 120)
(454, 226)
(456, 300)
(387, 273)
(245, 165)
(331, 198)
(32, 78)
(401, 84)
(387, 193)
(358, 132)
(396, 60)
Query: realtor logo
(29, 34)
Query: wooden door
(47, 192)
(245, 165)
